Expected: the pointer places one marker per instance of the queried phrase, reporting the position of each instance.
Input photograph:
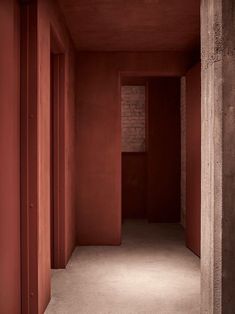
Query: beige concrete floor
(152, 272)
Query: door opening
(134, 171)
(57, 155)
(151, 148)
(52, 163)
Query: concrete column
(218, 156)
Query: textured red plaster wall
(164, 150)
(98, 121)
(9, 159)
(193, 158)
(48, 16)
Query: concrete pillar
(218, 156)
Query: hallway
(117, 145)
(151, 272)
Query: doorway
(57, 154)
(134, 148)
(53, 172)
(151, 149)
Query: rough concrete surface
(218, 151)
(151, 272)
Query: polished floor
(152, 272)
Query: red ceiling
(133, 25)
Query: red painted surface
(95, 185)
(164, 150)
(193, 158)
(133, 25)
(28, 148)
(134, 184)
(99, 135)
(57, 154)
(58, 151)
(50, 18)
(9, 159)
(36, 146)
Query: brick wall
(133, 118)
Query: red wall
(164, 150)
(49, 16)
(99, 135)
(9, 159)
(134, 185)
(193, 158)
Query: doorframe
(29, 156)
(29, 180)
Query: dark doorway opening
(53, 202)
(151, 148)
(134, 148)
(57, 154)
